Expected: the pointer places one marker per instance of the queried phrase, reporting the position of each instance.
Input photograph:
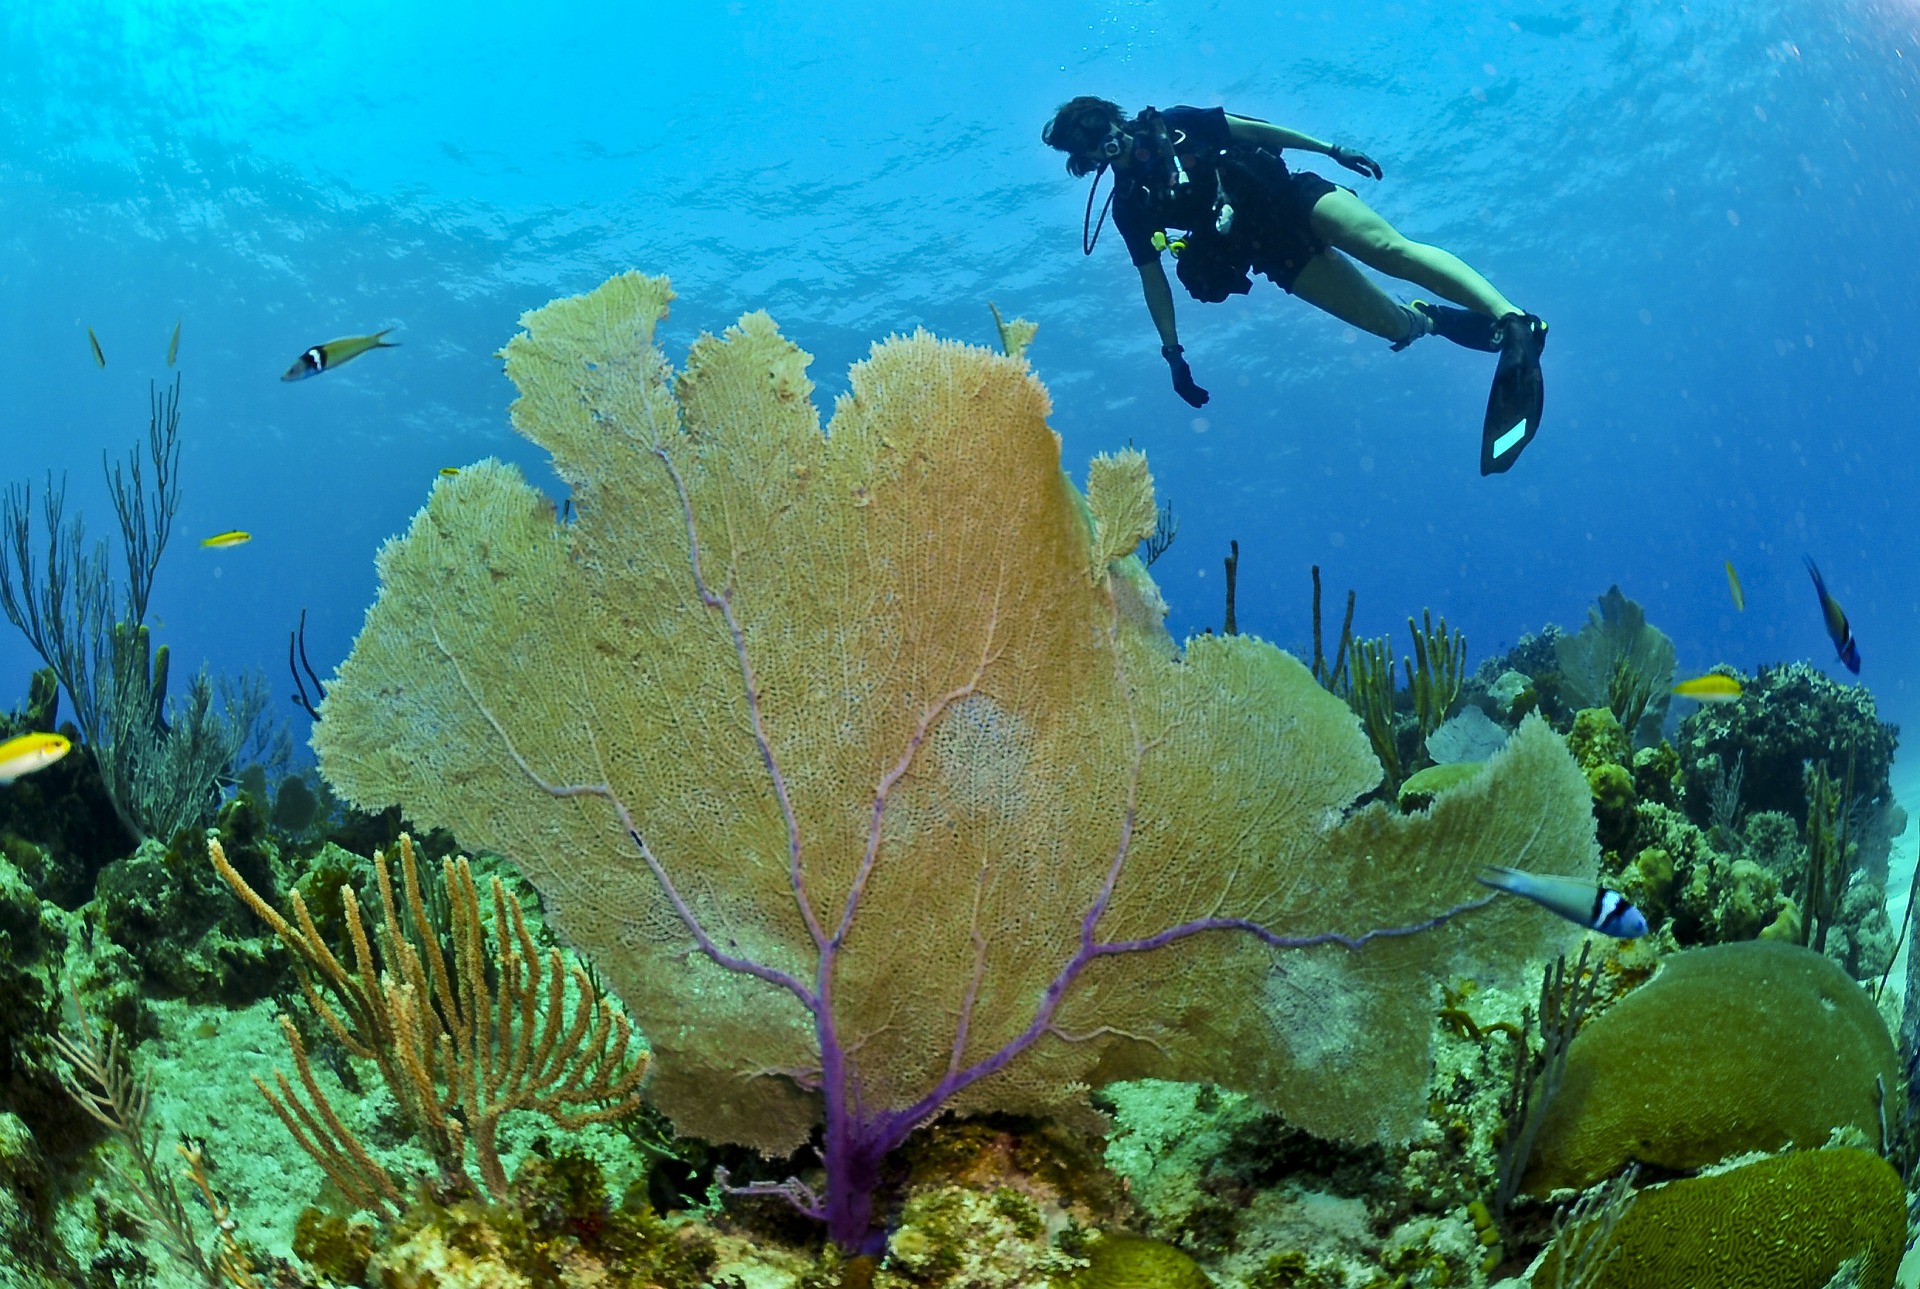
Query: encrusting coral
(861, 766)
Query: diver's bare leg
(1331, 283)
(1343, 220)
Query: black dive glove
(1358, 162)
(1183, 376)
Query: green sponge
(1785, 1222)
(1729, 1049)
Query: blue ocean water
(1712, 203)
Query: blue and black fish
(1591, 905)
(1837, 629)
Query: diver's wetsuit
(1272, 230)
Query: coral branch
(458, 1047)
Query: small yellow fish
(449, 470)
(1733, 584)
(236, 537)
(173, 345)
(94, 340)
(1710, 688)
(30, 752)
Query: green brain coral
(1729, 1049)
(1136, 1262)
(1786, 1222)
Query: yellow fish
(30, 752)
(95, 342)
(449, 470)
(1710, 688)
(1733, 584)
(173, 345)
(236, 537)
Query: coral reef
(1619, 662)
(1730, 1048)
(763, 853)
(57, 827)
(462, 1038)
(1785, 1222)
(557, 1228)
(1784, 717)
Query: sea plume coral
(860, 763)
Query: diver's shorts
(1282, 244)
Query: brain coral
(1123, 1261)
(1730, 1048)
(1785, 1222)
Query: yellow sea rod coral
(867, 799)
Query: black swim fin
(1518, 394)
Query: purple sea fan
(860, 763)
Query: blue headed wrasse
(30, 752)
(1589, 904)
(1733, 585)
(449, 470)
(330, 355)
(173, 345)
(94, 340)
(1837, 629)
(1710, 688)
(233, 537)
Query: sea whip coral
(860, 763)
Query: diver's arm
(1272, 137)
(1265, 134)
(1154, 285)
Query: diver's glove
(1359, 162)
(1183, 376)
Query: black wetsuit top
(1272, 232)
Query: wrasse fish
(30, 752)
(1733, 585)
(94, 340)
(1837, 629)
(233, 537)
(449, 470)
(330, 355)
(1589, 904)
(173, 345)
(1710, 688)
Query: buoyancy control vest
(1215, 258)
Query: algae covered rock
(1786, 1222)
(1730, 1048)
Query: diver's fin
(1514, 403)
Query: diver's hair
(1079, 127)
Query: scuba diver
(1211, 188)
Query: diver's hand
(1183, 376)
(1359, 162)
